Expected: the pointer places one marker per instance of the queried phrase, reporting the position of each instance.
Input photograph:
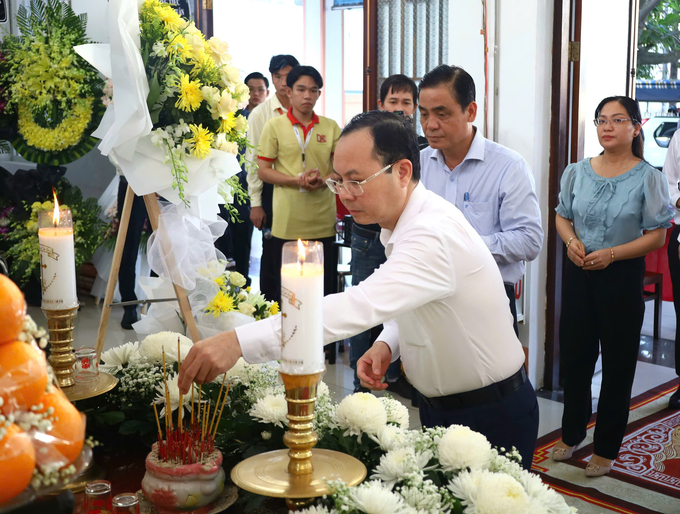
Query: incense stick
(219, 396)
(181, 400)
(167, 395)
(226, 395)
(155, 411)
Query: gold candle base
(62, 359)
(299, 474)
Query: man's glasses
(257, 89)
(352, 186)
(615, 121)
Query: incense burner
(187, 488)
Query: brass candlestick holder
(60, 326)
(298, 474)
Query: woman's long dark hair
(633, 109)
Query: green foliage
(88, 232)
(53, 93)
(658, 33)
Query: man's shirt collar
(294, 121)
(475, 152)
(413, 206)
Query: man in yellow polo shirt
(296, 155)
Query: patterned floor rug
(645, 478)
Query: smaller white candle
(57, 259)
(302, 308)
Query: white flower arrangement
(417, 475)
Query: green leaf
(110, 418)
(154, 91)
(131, 426)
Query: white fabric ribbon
(183, 247)
(127, 118)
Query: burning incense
(219, 396)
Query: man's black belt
(477, 397)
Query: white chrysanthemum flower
(397, 412)
(115, 358)
(395, 465)
(541, 496)
(375, 498)
(361, 413)
(173, 391)
(462, 448)
(153, 345)
(484, 492)
(271, 409)
(391, 437)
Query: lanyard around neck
(304, 146)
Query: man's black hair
(393, 138)
(397, 84)
(300, 71)
(461, 83)
(257, 75)
(281, 61)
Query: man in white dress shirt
(440, 296)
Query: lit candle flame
(301, 250)
(55, 217)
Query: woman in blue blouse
(613, 210)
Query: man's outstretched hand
(208, 359)
(373, 364)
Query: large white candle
(302, 308)
(57, 259)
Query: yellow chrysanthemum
(169, 17)
(178, 44)
(227, 124)
(274, 309)
(190, 96)
(221, 281)
(201, 142)
(222, 302)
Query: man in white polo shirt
(261, 194)
(440, 295)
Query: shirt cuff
(390, 336)
(260, 341)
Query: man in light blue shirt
(492, 185)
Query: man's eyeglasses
(353, 187)
(615, 121)
(257, 89)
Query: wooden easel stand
(154, 212)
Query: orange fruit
(17, 460)
(23, 376)
(12, 310)
(65, 440)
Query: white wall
(603, 71)
(524, 93)
(466, 46)
(523, 52)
